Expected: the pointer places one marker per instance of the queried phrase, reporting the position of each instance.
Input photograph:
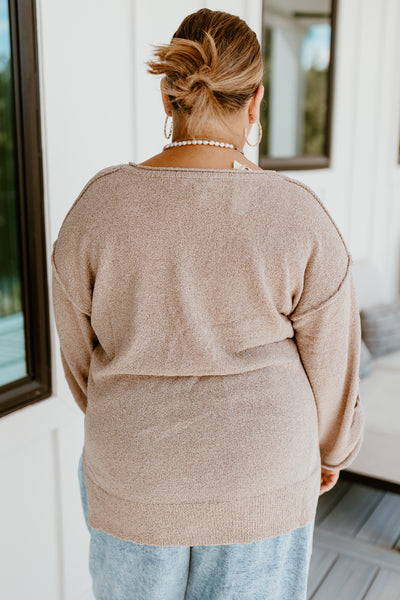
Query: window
(25, 374)
(298, 50)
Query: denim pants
(275, 568)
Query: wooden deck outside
(356, 549)
(12, 348)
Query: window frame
(37, 384)
(293, 163)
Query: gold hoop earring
(259, 135)
(165, 128)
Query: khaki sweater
(210, 332)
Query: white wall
(86, 79)
(99, 107)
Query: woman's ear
(164, 96)
(254, 106)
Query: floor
(356, 549)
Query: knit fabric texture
(209, 330)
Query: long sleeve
(328, 338)
(77, 340)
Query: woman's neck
(199, 157)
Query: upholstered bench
(379, 456)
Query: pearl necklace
(205, 142)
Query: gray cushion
(380, 328)
(365, 361)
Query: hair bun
(212, 66)
(197, 81)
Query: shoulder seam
(329, 300)
(315, 196)
(66, 292)
(89, 183)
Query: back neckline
(198, 170)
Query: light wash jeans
(272, 569)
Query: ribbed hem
(204, 523)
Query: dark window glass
(12, 338)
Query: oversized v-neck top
(209, 331)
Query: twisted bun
(213, 65)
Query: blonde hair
(213, 66)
